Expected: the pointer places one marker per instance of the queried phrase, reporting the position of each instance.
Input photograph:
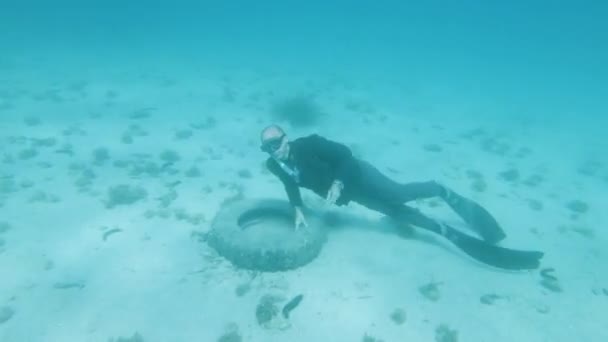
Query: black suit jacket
(319, 162)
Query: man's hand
(300, 220)
(334, 192)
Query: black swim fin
(497, 256)
(475, 216)
(485, 252)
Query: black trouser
(378, 192)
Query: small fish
(292, 304)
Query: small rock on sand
(6, 313)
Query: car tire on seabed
(259, 234)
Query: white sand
(156, 278)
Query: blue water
(529, 74)
(533, 58)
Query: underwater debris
(543, 308)
(183, 134)
(490, 298)
(44, 142)
(510, 175)
(193, 172)
(168, 198)
(241, 289)
(368, 338)
(124, 194)
(65, 285)
(584, 231)
(479, 185)
(492, 145)
(432, 148)
(43, 197)
(100, 155)
(8, 185)
(66, 149)
(74, 130)
(292, 304)
(107, 234)
(181, 214)
(266, 309)
(577, 206)
(533, 180)
(590, 168)
(135, 338)
(126, 138)
(231, 335)
(142, 113)
(398, 316)
(6, 313)
(523, 152)
(85, 179)
(267, 313)
(32, 121)
(27, 153)
(549, 280)
(430, 291)
(112, 94)
(4, 226)
(209, 123)
(547, 273)
(443, 333)
(169, 156)
(244, 173)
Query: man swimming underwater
(330, 170)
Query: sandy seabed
(109, 182)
